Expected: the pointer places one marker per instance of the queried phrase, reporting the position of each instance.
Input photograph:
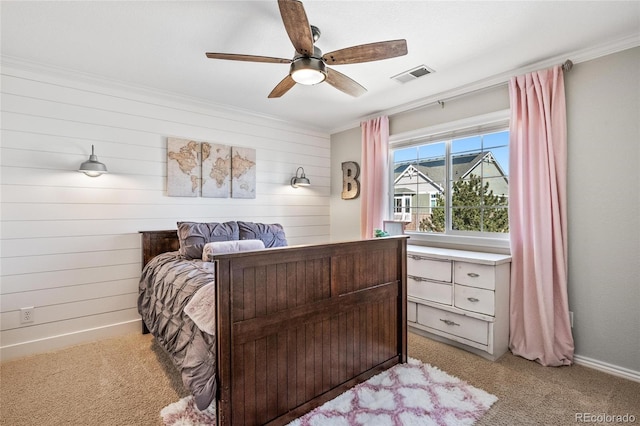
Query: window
(402, 207)
(458, 183)
(434, 199)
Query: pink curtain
(539, 310)
(374, 176)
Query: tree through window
(454, 185)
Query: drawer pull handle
(448, 322)
(416, 257)
(419, 279)
(473, 299)
(473, 275)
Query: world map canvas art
(243, 172)
(183, 168)
(216, 170)
(210, 170)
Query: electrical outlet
(26, 315)
(571, 318)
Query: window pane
(419, 180)
(405, 155)
(495, 140)
(497, 162)
(431, 220)
(432, 151)
(467, 192)
(472, 181)
(497, 191)
(466, 219)
(462, 165)
(495, 220)
(465, 145)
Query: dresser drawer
(412, 312)
(466, 327)
(429, 290)
(474, 299)
(474, 275)
(421, 266)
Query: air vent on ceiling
(412, 74)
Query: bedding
(202, 308)
(272, 235)
(344, 303)
(177, 295)
(221, 247)
(194, 235)
(167, 284)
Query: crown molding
(576, 56)
(67, 74)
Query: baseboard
(62, 341)
(584, 361)
(614, 370)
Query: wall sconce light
(301, 180)
(92, 167)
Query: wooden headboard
(156, 242)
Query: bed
(295, 326)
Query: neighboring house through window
(402, 209)
(453, 183)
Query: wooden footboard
(299, 325)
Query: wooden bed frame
(299, 325)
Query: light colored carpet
(121, 381)
(128, 380)
(414, 394)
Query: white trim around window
(484, 123)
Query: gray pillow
(194, 235)
(271, 235)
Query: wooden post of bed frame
(154, 243)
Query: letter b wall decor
(350, 183)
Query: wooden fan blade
(249, 58)
(297, 25)
(344, 83)
(367, 52)
(282, 87)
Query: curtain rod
(502, 79)
(486, 84)
(566, 67)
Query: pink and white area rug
(406, 394)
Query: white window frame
(405, 207)
(405, 203)
(485, 123)
(433, 199)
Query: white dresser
(460, 297)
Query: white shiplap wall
(69, 243)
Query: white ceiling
(162, 45)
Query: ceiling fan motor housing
(309, 70)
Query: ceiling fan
(309, 65)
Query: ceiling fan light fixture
(308, 71)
